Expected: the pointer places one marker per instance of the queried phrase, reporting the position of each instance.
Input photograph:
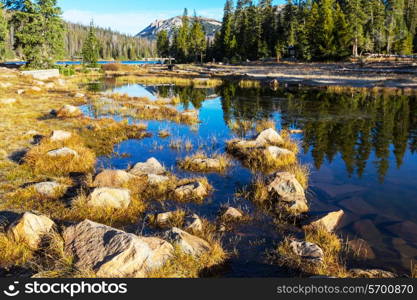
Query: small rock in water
(307, 251)
(20, 92)
(163, 219)
(327, 220)
(268, 137)
(112, 178)
(151, 166)
(194, 223)
(30, 228)
(62, 152)
(109, 197)
(193, 189)
(188, 243)
(60, 135)
(207, 163)
(47, 188)
(232, 213)
(288, 189)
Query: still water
(361, 149)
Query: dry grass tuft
(176, 219)
(332, 247)
(41, 163)
(200, 162)
(13, 253)
(264, 124)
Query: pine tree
(162, 44)
(325, 29)
(227, 37)
(91, 47)
(342, 33)
(181, 44)
(3, 34)
(39, 31)
(357, 18)
(197, 39)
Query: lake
(361, 148)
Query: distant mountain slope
(210, 26)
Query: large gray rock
(30, 228)
(60, 135)
(307, 251)
(188, 243)
(326, 220)
(289, 190)
(42, 74)
(151, 166)
(62, 152)
(114, 253)
(109, 197)
(112, 178)
(48, 189)
(269, 137)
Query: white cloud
(130, 23)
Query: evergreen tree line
(34, 31)
(188, 43)
(315, 29)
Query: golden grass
(249, 83)
(103, 134)
(179, 81)
(13, 253)
(164, 133)
(41, 163)
(194, 163)
(106, 215)
(264, 124)
(240, 127)
(333, 250)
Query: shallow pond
(361, 149)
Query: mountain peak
(211, 26)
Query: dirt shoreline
(401, 75)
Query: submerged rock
(30, 228)
(269, 137)
(326, 220)
(289, 190)
(112, 178)
(193, 190)
(114, 253)
(361, 249)
(307, 251)
(371, 273)
(188, 243)
(60, 135)
(109, 197)
(62, 152)
(151, 166)
(48, 189)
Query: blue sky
(131, 16)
